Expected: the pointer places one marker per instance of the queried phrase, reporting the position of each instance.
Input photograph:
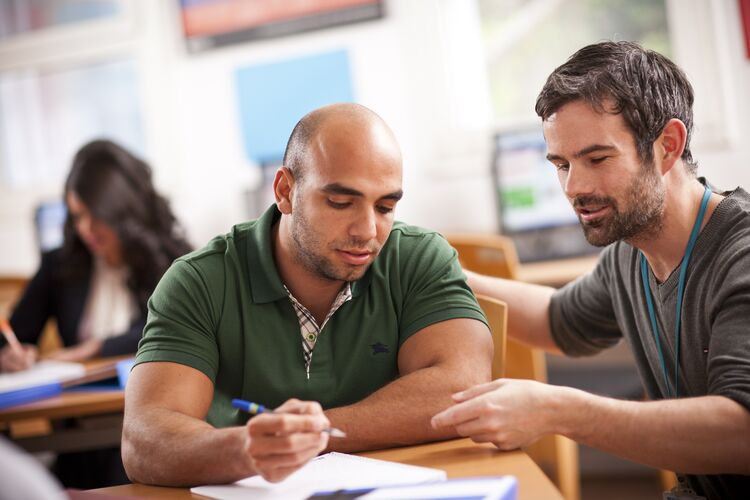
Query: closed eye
(384, 209)
(338, 206)
(599, 159)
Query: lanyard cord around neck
(680, 291)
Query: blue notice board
(273, 97)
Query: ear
(670, 144)
(283, 184)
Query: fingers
(476, 427)
(500, 443)
(13, 360)
(300, 407)
(477, 390)
(272, 433)
(280, 443)
(461, 413)
(278, 474)
(287, 423)
(294, 458)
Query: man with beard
(673, 281)
(323, 298)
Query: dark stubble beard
(307, 246)
(642, 217)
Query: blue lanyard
(680, 292)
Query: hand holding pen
(281, 441)
(15, 356)
(257, 409)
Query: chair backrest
(489, 254)
(497, 316)
(495, 255)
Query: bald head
(344, 128)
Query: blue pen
(256, 409)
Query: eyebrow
(594, 148)
(336, 188)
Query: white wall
(419, 67)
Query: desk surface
(459, 458)
(75, 402)
(72, 403)
(76, 420)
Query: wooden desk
(556, 273)
(76, 420)
(459, 458)
(73, 421)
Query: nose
(84, 226)
(576, 182)
(365, 228)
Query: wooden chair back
(497, 316)
(489, 254)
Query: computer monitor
(49, 220)
(533, 209)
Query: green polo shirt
(223, 310)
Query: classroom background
(207, 91)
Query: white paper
(329, 472)
(486, 488)
(44, 372)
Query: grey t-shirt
(597, 310)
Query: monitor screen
(49, 221)
(533, 209)
(526, 184)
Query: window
(525, 40)
(68, 74)
(45, 116)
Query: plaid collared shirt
(309, 328)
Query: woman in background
(120, 236)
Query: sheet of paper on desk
(477, 488)
(42, 373)
(329, 472)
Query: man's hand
(280, 442)
(13, 360)
(506, 412)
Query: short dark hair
(644, 86)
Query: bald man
(322, 308)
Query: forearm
(705, 435)
(528, 308)
(171, 449)
(400, 413)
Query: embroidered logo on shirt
(378, 348)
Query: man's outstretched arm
(433, 363)
(702, 435)
(528, 308)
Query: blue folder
(54, 388)
(28, 394)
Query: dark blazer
(50, 295)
